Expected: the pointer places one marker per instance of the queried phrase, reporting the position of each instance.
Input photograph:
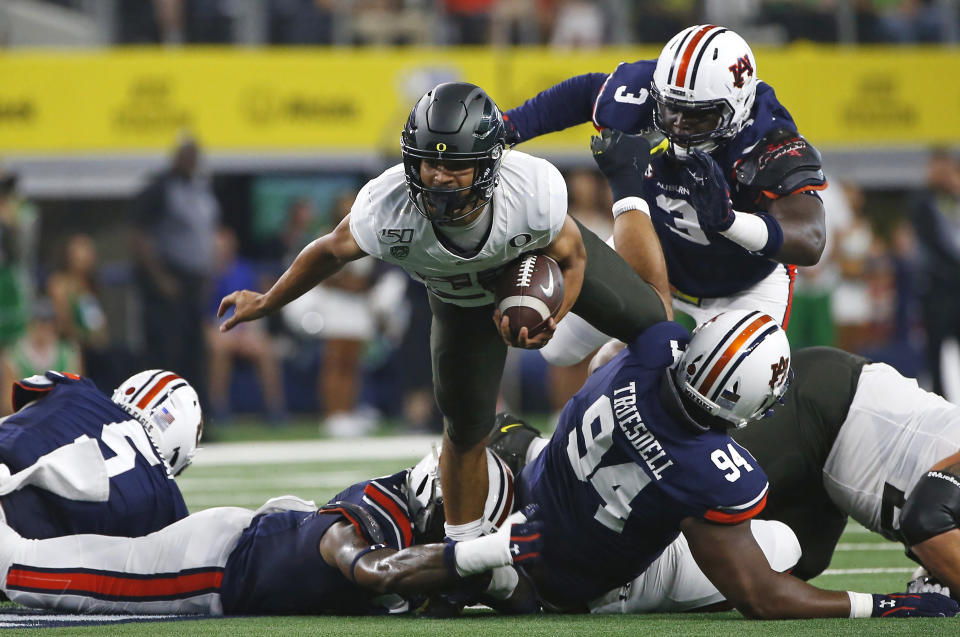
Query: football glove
(709, 192)
(623, 160)
(914, 605)
(526, 535)
(519, 540)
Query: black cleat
(510, 438)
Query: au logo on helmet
(742, 66)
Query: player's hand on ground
(623, 160)
(914, 605)
(522, 338)
(709, 192)
(248, 306)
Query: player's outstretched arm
(730, 557)
(429, 568)
(321, 258)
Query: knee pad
(932, 508)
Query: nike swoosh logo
(508, 427)
(548, 289)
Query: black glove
(709, 192)
(623, 159)
(914, 605)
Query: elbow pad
(932, 508)
(782, 163)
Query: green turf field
(864, 562)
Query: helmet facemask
(669, 109)
(444, 205)
(704, 69)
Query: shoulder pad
(782, 163)
(27, 390)
(366, 525)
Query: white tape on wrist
(630, 203)
(861, 605)
(481, 554)
(748, 230)
(503, 581)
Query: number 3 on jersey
(616, 485)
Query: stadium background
(296, 98)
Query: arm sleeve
(561, 106)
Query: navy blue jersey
(142, 495)
(699, 263)
(620, 473)
(276, 568)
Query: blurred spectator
(40, 349)
(812, 20)
(390, 23)
(300, 22)
(250, 341)
(18, 223)
(150, 22)
(72, 289)
(916, 21)
(859, 297)
(468, 21)
(578, 24)
(174, 22)
(655, 20)
(935, 213)
(175, 219)
(338, 312)
(811, 319)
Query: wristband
(628, 204)
(861, 605)
(759, 233)
(369, 549)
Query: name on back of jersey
(633, 427)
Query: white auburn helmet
(169, 409)
(425, 498)
(705, 68)
(737, 366)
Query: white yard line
(869, 546)
(866, 571)
(268, 452)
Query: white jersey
(893, 434)
(529, 207)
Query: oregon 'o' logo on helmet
(441, 146)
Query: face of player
(455, 177)
(686, 122)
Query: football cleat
(510, 438)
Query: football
(529, 292)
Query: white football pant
(674, 583)
(575, 339)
